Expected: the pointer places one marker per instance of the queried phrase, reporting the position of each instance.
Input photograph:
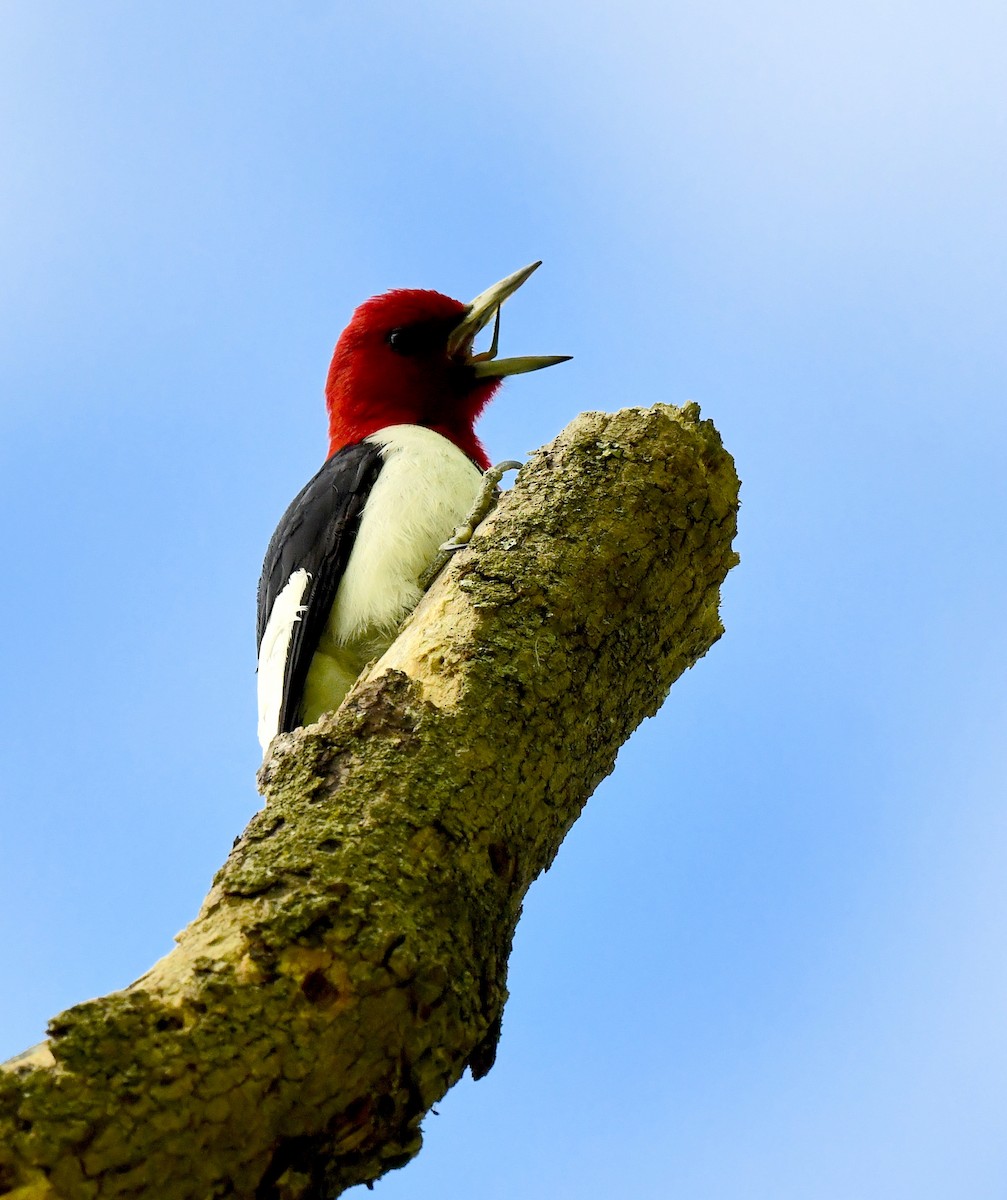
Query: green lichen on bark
(350, 961)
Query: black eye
(421, 338)
(400, 341)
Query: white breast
(426, 487)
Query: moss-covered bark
(350, 960)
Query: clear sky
(769, 961)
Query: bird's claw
(459, 539)
(485, 501)
(462, 535)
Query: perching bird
(404, 469)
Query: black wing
(315, 534)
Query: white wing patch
(284, 615)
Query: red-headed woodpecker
(404, 469)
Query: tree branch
(350, 960)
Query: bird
(404, 470)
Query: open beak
(484, 308)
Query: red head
(406, 359)
(392, 367)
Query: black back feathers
(315, 534)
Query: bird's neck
(360, 403)
(344, 431)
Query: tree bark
(350, 960)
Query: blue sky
(768, 962)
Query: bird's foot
(484, 505)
